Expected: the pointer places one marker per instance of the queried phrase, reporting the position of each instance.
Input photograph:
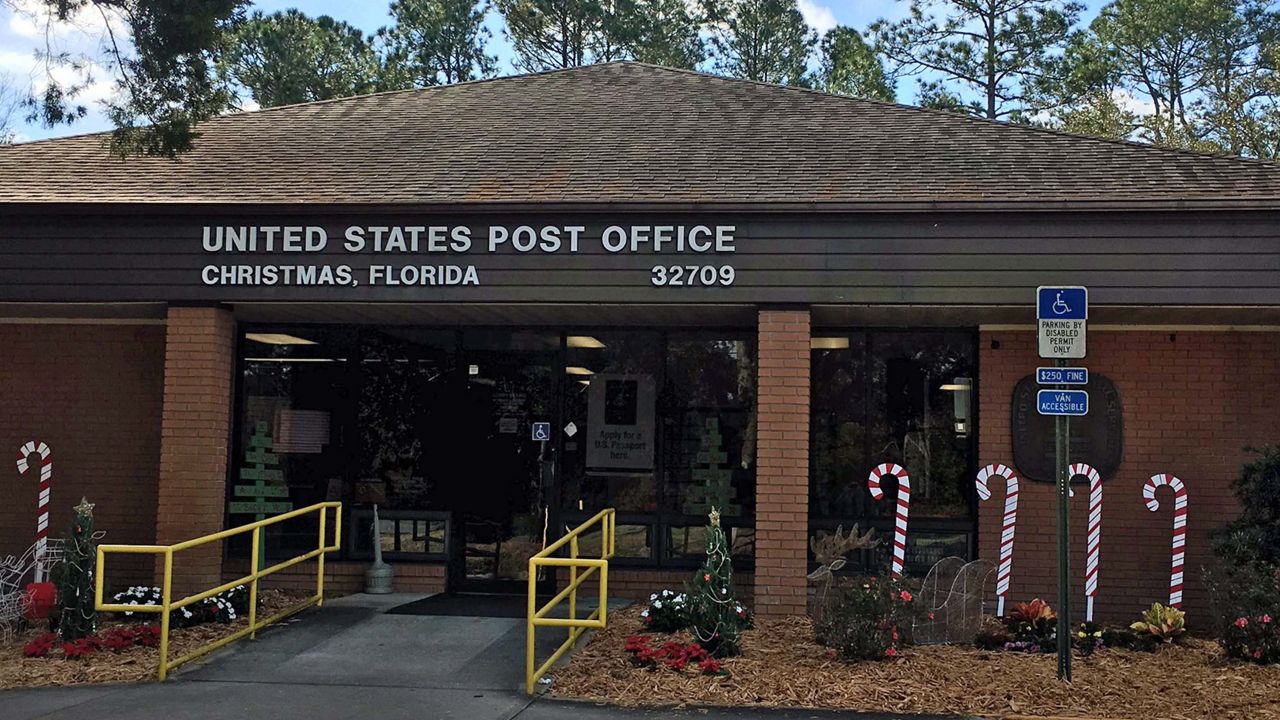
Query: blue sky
(20, 35)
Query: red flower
(40, 646)
(706, 577)
(890, 653)
(1266, 619)
(1242, 622)
(906, 596)
(930, 616)
(1257, 654)
(710, 666)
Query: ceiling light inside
(576, 370)
(829, 343)
(278, 339)
(583, 341)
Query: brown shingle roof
(627, 133)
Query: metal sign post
(1061, 314)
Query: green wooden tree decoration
(716, 618)
(712, 482)
(74, 578)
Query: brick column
(199, 357)
(782, 463)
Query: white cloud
(819, 17)
(1128, 101)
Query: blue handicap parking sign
(541, 431)
(1062, 303)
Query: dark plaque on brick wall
(1096, 438)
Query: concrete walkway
(350, 660)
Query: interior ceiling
(690, 315)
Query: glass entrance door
(503, 473)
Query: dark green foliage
(716, 618)
(288, 57)
(551, 34)
(1253, 539)
(1001, 51)
(437, 42)
(851, 67)
(74, 578)
(866, 619)
(1245, 580)
(765, 40)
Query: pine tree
(716, 619)
(74, 578)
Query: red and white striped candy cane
(904, 508)
(1095, 532)
(1179, 528)
(42, 506)
(1006, 527)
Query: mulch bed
(135, 664)
(781, 665)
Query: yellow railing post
(320, 560)
(529, 654)
(573, 578)
(166, 600)
(253, 585)
(253, 579)
(605, 521)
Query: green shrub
(1244, 585)
(1165, 624)
(866, 619)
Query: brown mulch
(781, 665)
(136, 664)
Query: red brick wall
(1192, 401)
(91, 392)
(199, 357)
(782, 463)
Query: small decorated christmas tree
(74, 578)
(716, 618)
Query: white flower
(653, 597)
(657, 604)
(644, 614)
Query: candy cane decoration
(1006, 527)
(1179, 528)
(42, 506)
(904, 508)
(1095, 532)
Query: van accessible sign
(1061, 314)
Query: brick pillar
(782, 463)
(198, 360)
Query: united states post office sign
(1096, 438)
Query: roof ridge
(702, 74)
(1203, 154)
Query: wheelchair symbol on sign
(541, 431)
(1060, 307)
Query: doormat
(469, 604)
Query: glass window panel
(407, 377)
(690, 541)
(914, 422)
(610, 398)
(708, 422)
(292, 428)
(631, 541)
(837, 427)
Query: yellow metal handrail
(168, 605)
(607, 521)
